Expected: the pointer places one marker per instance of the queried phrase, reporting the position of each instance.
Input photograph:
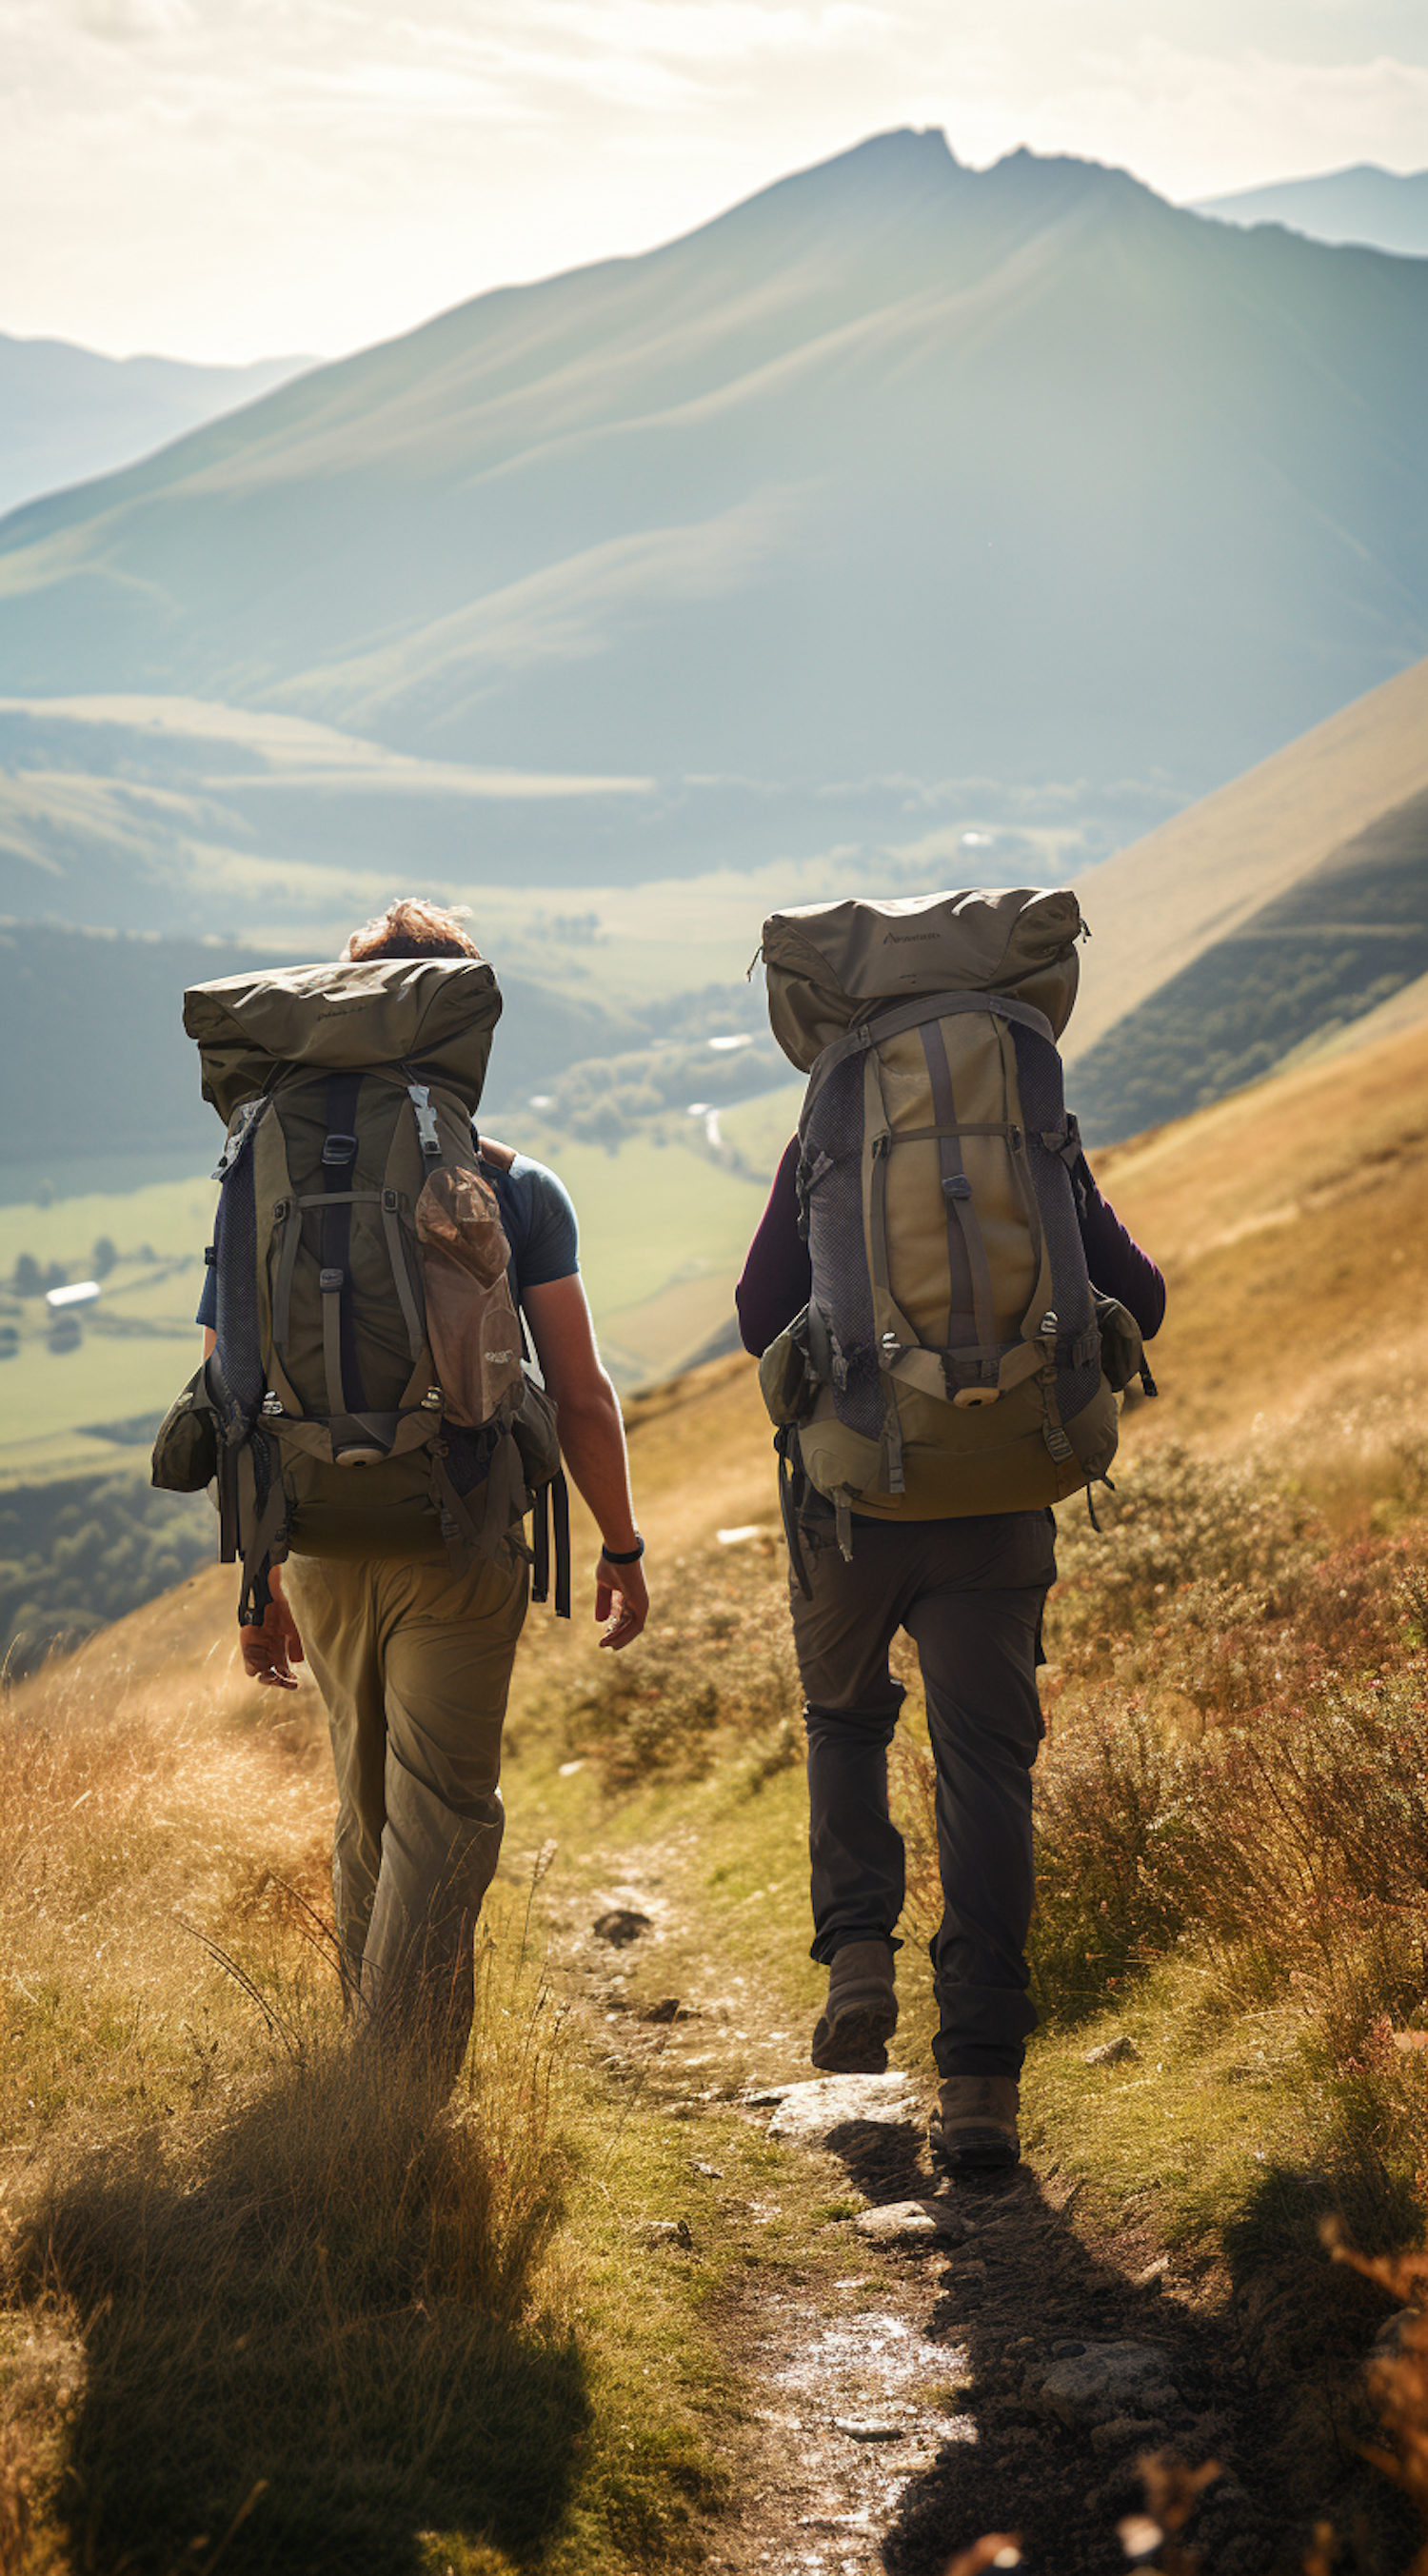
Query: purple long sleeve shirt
(778, 1278)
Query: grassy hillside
(1231, 1827)
(1164, 904)
(1335, 947)
(772, 502)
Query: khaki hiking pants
(414, 1665)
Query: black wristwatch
(626, 1556)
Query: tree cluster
(75, 1555)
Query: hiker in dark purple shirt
(970, 1592)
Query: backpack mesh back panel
(841, 1285)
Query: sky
(232, 179)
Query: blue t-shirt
(541, 1229)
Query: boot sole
(856, 2043)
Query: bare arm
(592, 1437)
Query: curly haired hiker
(945, 1307)
(376, 1439)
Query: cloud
(229, 177)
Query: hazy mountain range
(897, 473)
(907, 525)
(68, 414)
(1382, 209)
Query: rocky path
(948, 2363)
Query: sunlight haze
(223, 182)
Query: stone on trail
(911, 2222)
(667, 2231)
(860, 2428)
(1107, 2380)
(812, 2110)
(1113, 2052)
(622, 1924)
(1127, 2433)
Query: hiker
(920, 1289)
(411, 1645)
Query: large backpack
(367, 1396)
(954, 1358)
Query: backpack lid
(437, 1013)
(830, 965)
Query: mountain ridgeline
(899, 469)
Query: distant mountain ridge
(1378, 209)
(68, 414)
(896, 471)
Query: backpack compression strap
(345, 1391)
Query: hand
(270, 1652)
(622, 1601)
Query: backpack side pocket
(185, 1454)
(787, 1380)
(1122, 1350)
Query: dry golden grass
(1292, 1225)
(239, 2254)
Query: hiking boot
(973, 2129)
(861, 2016)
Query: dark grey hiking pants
(970, 1594)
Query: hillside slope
(898, 467)
(1330, 816)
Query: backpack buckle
(956, 1185)
(338, 1150)
(330, 1282)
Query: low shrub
(725, 1660)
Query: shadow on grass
(330, 2302)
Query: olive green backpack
(367, 1396)
(954, 1358)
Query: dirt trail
(904, 2397)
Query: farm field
(664, 1227)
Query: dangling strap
(540, 1543)
(550, 1542)
(560, 1516)
(843, 1523)
(1091, 1508)
(791, 1489)
(256, 1592)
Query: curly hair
(412, 927)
